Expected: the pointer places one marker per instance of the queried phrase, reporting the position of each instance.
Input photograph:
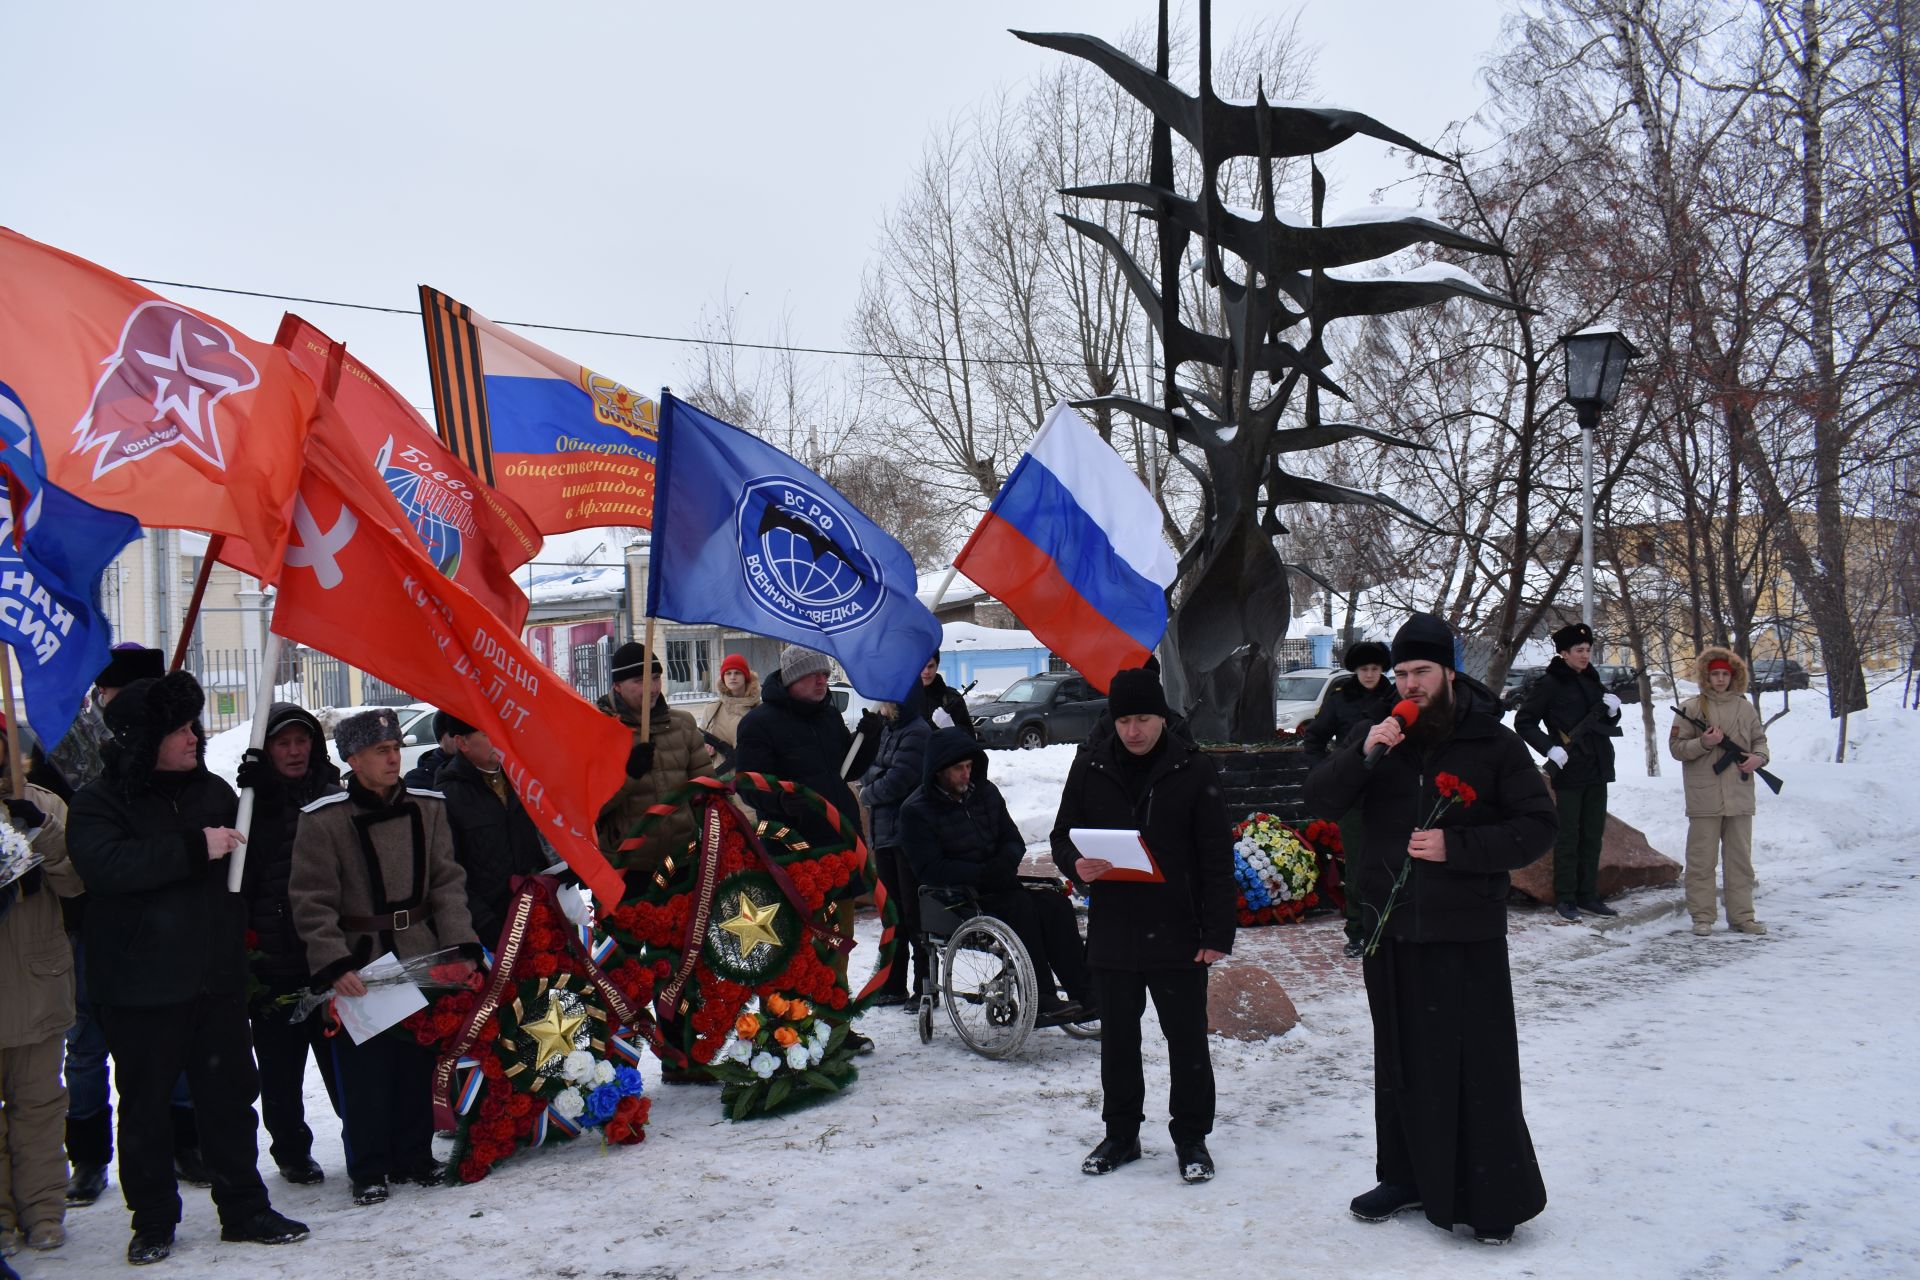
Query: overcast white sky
(610, 165)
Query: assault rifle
(1589, 723)
(1731, 753)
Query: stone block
(1245, 1002)
(1627, 861)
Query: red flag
(472, 533)
(148, 407)
(358, 586)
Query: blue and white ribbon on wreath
(569, 1127)
(596, 951)
(619, 1048)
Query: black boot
(264, 1227)
(90, 1148)
(191, 1168)
(370, 1192)
(1566, 909)
(86, 1185)
(1594, 907)
(1383, 1202)
(304, 1172)
(428, 1173)
(151, 1245)
(1110, 1155)
(1196, 1164)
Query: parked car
(1772, 675)
(849, 702)
(1622, 682)
(1297, 696)
(1054, 707)
(416, 734)
(1514, 690)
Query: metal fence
(230, 676)
(590, 669)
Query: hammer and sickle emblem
(316, 549)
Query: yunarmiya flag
(575, 448)
(148, 407)
(1072, 545)
(355, 587)
(746, 537)
(53, 547)
(473, 535)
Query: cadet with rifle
(1570, 718)
(1719, 787)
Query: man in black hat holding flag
(1451, 803)
(1570, 718)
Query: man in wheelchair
(957, 833)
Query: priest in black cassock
(1452, 803)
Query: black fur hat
(146, 711)
(1362, 652)
(1570, 635)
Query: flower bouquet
(781, 1054)
(435, 973)
(1275, 870)
(16, 855)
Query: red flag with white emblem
(357, 585)
(148, 407)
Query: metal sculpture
(1230, 603)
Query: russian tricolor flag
(1072, 545)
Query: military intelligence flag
(575, 448)
(148, 407)
(746, 537)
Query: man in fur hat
(1720, 806)
(374, 873)
(675, 751)
(1570, 718)
(166, 962)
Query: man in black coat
(1449, 1135)
(292, 772)
(1356, 702)
(494, 839)
(936, 696)
(1570, 718)
(956, 831)
(897, 771)
(166, 962)
(1151, 938)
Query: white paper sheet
(385, 1003)
(1123, 849)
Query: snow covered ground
(1701, 1107)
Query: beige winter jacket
(679, 753)
(36, 960)
(355, 857)
(1730, 793)
(723, 717)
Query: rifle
(1731, 753)
(1588, 723)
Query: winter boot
(1383, 1202)
(90, 1148)
(1595, 907)
(1703, 931)
(1567, 911)
(304, 1172)
(1493, 1235)
(373, 1191)
(1110, 1155)
(1748, 926)
(1196, 1163)
(152, 1245)
(46, 1235)
(264, 1227)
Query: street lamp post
(1596, 364)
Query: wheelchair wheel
(1082, 1030)
(925, 1019)
(989, 987)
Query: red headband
(1720, 664)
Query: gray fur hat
(369, 728)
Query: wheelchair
(979, 969)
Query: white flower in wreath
(763, 1064)
(577, 1067)
(603, 1072)
(569, 1103)
(797, 1057)
(815, 1051)
(820, 1032)
(740, 1050)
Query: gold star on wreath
(753, 925)
(553, 1033)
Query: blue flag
(53, 547)
(746, 537)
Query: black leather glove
(26, 814)
(640, 760)
(871, 726)
(254, 771)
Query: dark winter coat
(938, 695)
(426, 769)
(960, 840)
(1180, 811)
(493, 842)
(680, 754)
(1511, 822)
(160, 927)
(269, 862)
(1556, 704)
(804, 743)
(1347, 704)
(897, 770)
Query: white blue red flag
(746, 537)
(1072, 545)
(53, 547)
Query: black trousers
(1180, 1001)
(903, 890)
(281, 1048)
(151, 1046)
(386, 1089)
(1043, 920)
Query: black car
(1622, 682)
(1054, 707)
(1514, 690)
(1773, 675)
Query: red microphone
(1406, 711)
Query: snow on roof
(970, 637)
(961, 590)
(589, 581)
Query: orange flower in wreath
(786, 1037)
(747, 1027)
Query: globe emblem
(802, 558)
(426, 506)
